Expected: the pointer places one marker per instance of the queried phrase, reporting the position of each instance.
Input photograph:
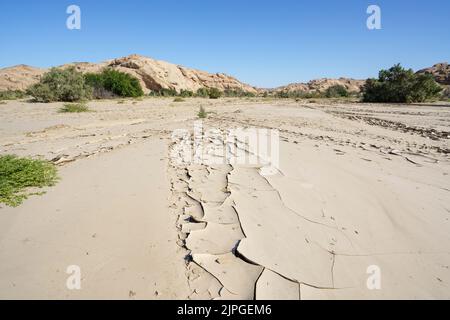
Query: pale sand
(110, 217)
(358, 185)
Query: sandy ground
(358, 208)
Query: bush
(298, 94)
(18, 174)
(74, 108)
(168, 92)
(12, 95)
(238, 93)
(99, 91)
(114, 83)
(186, 93)
(336, 91)
(202, 93)
(61, 85)
(214, 93)
(398, 85)
(164, 92)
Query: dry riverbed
(359, 206)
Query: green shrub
(214, 93)
(282, 94)
(96, 81)
(238, 93)
(164, 92)
(202, 93)
(61, 85)
(19, 174)
(336, 91)
(111, 83)
(202, 113)
(12, 95)
(178, 99)
(298, 94)
(154, 93)
(398, 85)
(74, 108)
(186, 93)
(168, 92)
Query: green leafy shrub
(238, 93)
(202, 113)
(186, 93)
(61, 85)
(214, 93)
(298, 94)
(168, 92)
(96, 82)
(336, 91)
(19, 174)
(164, 92)
(110, 83)
(398, 85)
(74, 108)
(12, 94)
(202, 93)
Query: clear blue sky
(264, 43)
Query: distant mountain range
(155, 75)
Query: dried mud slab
(271, 286)
(269, 226)
(237, 276)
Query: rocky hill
(155, 75)
(440, 72)
(152, 74)
(321, 85)
(19, 77)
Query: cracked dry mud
(357, 186)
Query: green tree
(398, 85)
(118, 83)
(61, 85)
(336, 91)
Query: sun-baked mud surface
(359, 188)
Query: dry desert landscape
(360, 188)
